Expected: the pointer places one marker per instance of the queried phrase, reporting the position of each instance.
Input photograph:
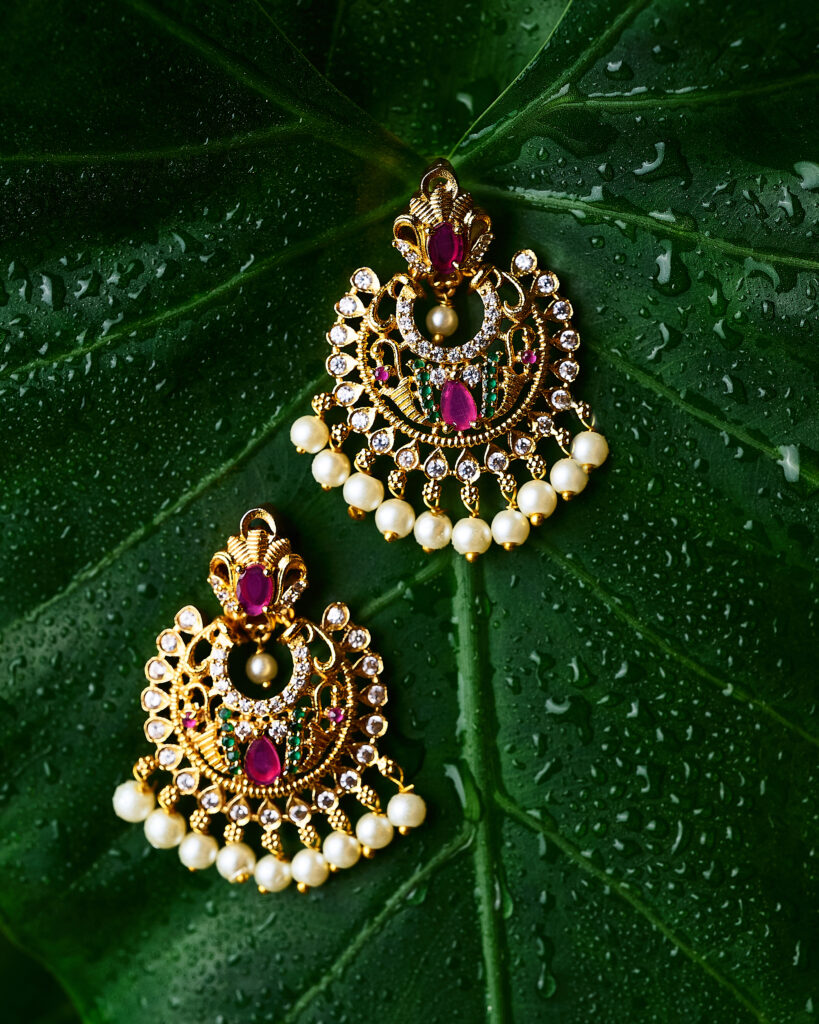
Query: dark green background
(615, 726)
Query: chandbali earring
(280, 767)
(478, 408)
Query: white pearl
(310, 868)
(163, 830)
(433, 530)
(363, 491)
(471, 536)
(442, 320)
(272, 874)
(537, 498)
(330, 468)
(590, 449)
(310, 434)
(236, 862)
(406, 810)
(261, 667)
(374, 831)
(510, 528)
(133, 801)
(568, 478)
(341, 849)
(197, 851)
(395, 516)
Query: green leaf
(614, 726)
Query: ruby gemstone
(445, 248)
(254, 590)
(457, 405)
(529, 356)
(262, 762)
(335, 714)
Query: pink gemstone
(382, 374)
(262, 762)
(529, 356)
(189, 721)
(457, 405)
(335, 714)
(254, 590)
(445, 248)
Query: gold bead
(471, 556)
(404, 830)
(536, 519)
(508, 546)
(389, 536)
(355, 513)
(302, 886)
(368, 852)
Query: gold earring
(245, 764)
(475, 409)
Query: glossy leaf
(615, 726)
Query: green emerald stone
(225, 713)
(233, 755)
(419, 364)
(295, 755)
(228, 742)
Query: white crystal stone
(436, 468)
(349, 779)
(562, 309)
(569, 340)
(523, 261)
(377, 695)
(560, 399)
(167, 757)
(523, 445)
(185, 781)
(547, 284)
(156, 669)
(168, 643)
(406, 810)
(270, 816)
(345, 394)
(299, 814)
(370, 665)
(338, 334)
(568, 369)
(152, 699)
(497, 462)
(133, 801)
(407, 459)
(347, 305)
(188, 619)
(357, 639)
(363, 279)
(381, 441)
(365, 754)
(239, 812)
(272, 874)
(156, 729)
(326, 800)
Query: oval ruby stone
(262, 762)
(445, 248)
(254, 590)
(457, 405)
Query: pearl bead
(394, 518)
(433, 530)
(133, 801)
(537, 499)
(363, 491)
(442, 320)
(374, 831)
(236, 862)
(471, 536)
(510, 528)
(261, 667)
(310, 434)
(197, 851)
(272, 874)
(568, 478)
(341, 849)
(163, 830)
(310, 868)
(406, 810)
(590, 449)
(330, 468)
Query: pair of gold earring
(238, 762)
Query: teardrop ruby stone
(254, 590)
(457, 405)
(262, 762)
(445, 248)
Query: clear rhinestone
(217, 668)
(437, 376)
(438, 354)
(497, 462)
(270, 816)
(471, 375)
(377, 694)
(156, 729)
(544, 424)
(187, 620)
(245, 705)
(375, 725)
(209, 801)
(166, 756)
(152, 699)
(347, 305)
(221, 685)
(568, 369)
(232, 699)
(326, 800)
(185, 781)
(168, 643)
(363, 280)
(349, 780)
(562, 310)
(569, 340)
(156, 669)
(218, 654)
(547, 284)
(405, 323)
(369, 666)
(436, 468)
(468, 470)
(299, 814)
(523, 261)
(522, 445)
(470, 349)
(239, 812)
(243, 730)
(335, 614)
(277, 732)
(560, 399)
(381, 442)
(338, 365)
(338, 334)
(357, 639)
(360, 420)
(454, 354)
(365, 754)
(261, 707)
(407, 459)
(345, 394)
(402, 306)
